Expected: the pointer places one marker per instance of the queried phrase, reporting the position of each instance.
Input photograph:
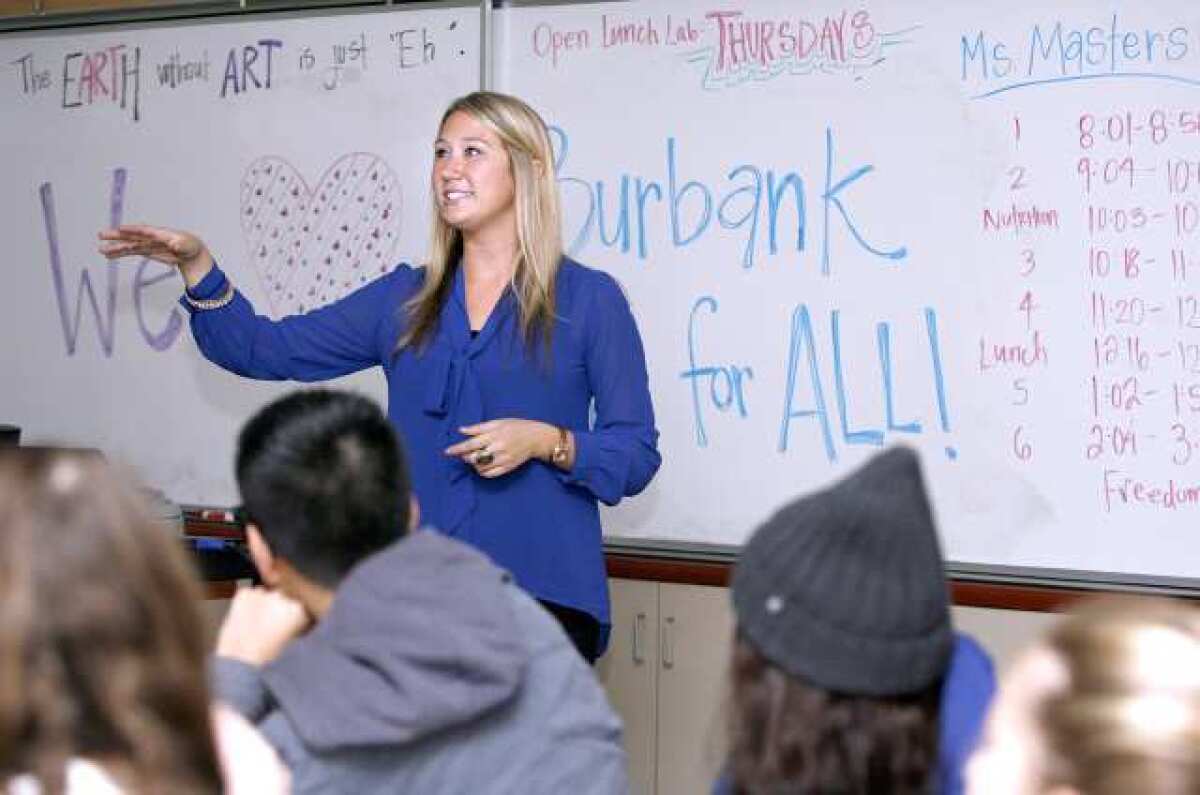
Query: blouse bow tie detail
(455, 392)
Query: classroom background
(974, 230)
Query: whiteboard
(267, 137)
(973, 228)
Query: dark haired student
(387, 659)
(496, 353)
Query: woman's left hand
(497, 447)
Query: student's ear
(264, 559)
(414, 513)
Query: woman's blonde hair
(102, 639)
(539, 229)
(1128, 717)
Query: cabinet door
(696, 625)
(628, 672)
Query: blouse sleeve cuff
(584, 471)
(212, 285)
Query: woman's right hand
(174, 247)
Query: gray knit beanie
(845, 588)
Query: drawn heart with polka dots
(310, 247)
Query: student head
(102, 639)
(324, 485)
(843, 638)
(493, 177)
(1108, 703)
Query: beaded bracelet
(211, 303)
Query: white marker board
(275, 137)
(973, 228)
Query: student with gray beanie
(843, 641)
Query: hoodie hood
(420, 637)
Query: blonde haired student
(1108, 703)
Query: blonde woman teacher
(494, 352)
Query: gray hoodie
(432, 673)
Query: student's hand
(259, 624)
(180, 249)
(508, 442)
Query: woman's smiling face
(472, 178)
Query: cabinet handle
(668, 649)
(639, 629)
